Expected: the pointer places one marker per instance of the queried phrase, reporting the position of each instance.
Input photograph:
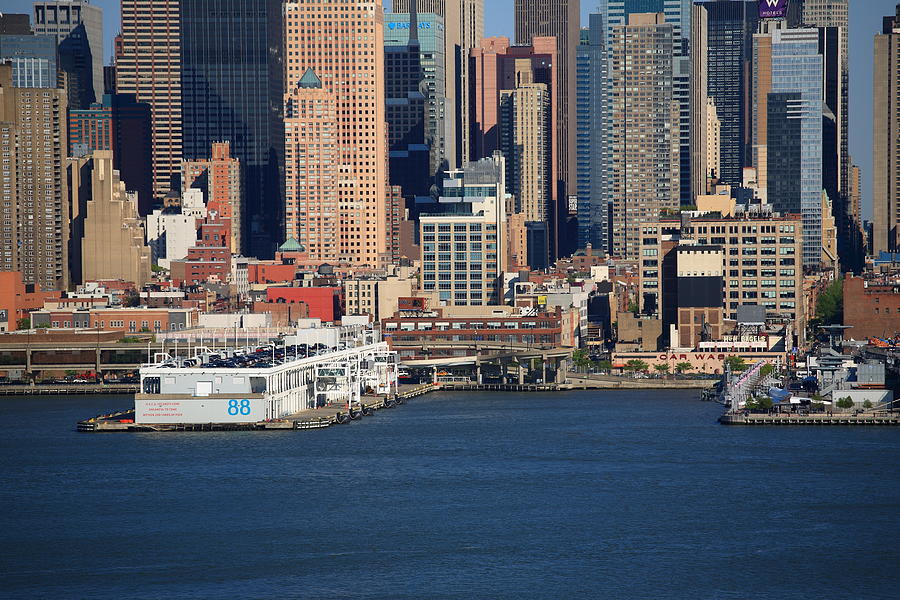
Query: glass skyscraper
(232, 91)
(33, 59)
(591, 136)
(797, 68)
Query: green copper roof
(290, 245)
(310, 80)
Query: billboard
(200, 410)
(773, 9)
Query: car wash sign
(773, 9)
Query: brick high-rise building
(149, 66)
(34, 218)
(463, 30)
(886, 139)
(349, 68)
(219, 176)
(560, 19)
(644, 163)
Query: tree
(24, 323)
(604, 365)
(736, 364)
(867, 404)
(633, 307)
(844, 403)
(580, 358)
(761, 403)
(767, 369)
(662, 369)
(830, 304)
(635, 365)
(684, 367)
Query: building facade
(644, 161)
(152, 72)
(232, 90)
(886, 137)
(33, 59)
(34, 222)
(77, 26)
(219, 178)
(351, 70)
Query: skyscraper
(730, 26)
(463, 30)
(561, 20)
(644, 161)
(678, 14)
(34, 217)
(886, 139)
(496, 66)
(592, 129)
(415, 90)
(232, 90)
(797, 85)
(78, 28)
(350, 67)
(33, 59)
(149, 67)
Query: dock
(314, 418)
(870, 419)
(69, 389)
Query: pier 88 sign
(773, 9)
(199, 410)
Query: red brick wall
(872, 311)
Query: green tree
(604, 365)
(635, 365)
(662, 369)
(844, 403)
(684, 367)
(736, 364)
(24, 323)
(867, 404)
(580, 358)
(830, 304)
(767, 369)
(633, 307)
(765, 403)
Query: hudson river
(575, 495)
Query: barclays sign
(402, 25)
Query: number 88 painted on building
(236, 407)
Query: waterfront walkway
(876, 418)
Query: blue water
(576, 495)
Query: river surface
(606, 494)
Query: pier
(875, 419)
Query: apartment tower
(34, 217)
(644, 163)
(149, 66)
(219, 177)
(349, 69)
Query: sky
(865, 21)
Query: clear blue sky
(865, 21)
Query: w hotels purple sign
(772, 9)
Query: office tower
(33, 59)
(312, 168)
(592, 129)
(415, 92)
(219, 178)
(559, 19)
(34, 217)
(172, 232)
(121, 125)
(350, 70)
(524, 141)
(886, 138)
(473, 213)
(712, 158)
(113, 245)
(760, 87)
(700, 99)
(78, 28)
(232, 90)
(797, 92)
(644, 161)
(678, 14)
(496, 66)
(152, 72)
(728, 38)
(463, 30)
(854, 190)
